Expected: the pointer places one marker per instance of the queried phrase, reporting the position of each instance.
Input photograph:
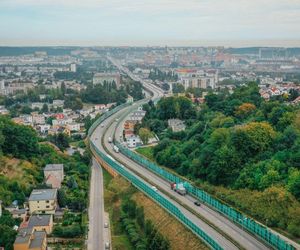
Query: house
(129, 99)
(134, 141)
(37, 105)
(41, 222)
(137, 115)
(44, 128)
(100, 107)
(56, 170)
(38, 119)
(43, 201)
(129, 125)
(73, 126)
(53, 182)
(19, 213)
(29, 239)
(58, 103)
(176, 125)
(296, 101)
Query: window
(47, 201)
(47, 206)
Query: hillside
(241, 148)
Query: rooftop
(39, 220)
(43, 194)
(54, 167)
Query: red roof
(59, 116)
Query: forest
(237, 146)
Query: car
(105, 225)
(197, 203)
(107, 245)
(117, 119)
(154, 188)
(102, 125)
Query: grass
(177, 234)
(117, 189)
(147, 152)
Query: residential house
(56, 170)
(137, 115)
(176, 125)
(44, 128)
(43, 201)
(29, 239)
(73, 126)
(58, 103)
(38, 119)
(41, 222)
(19, 213)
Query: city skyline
(174, 23)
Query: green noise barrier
(158, 198)
(252, 226)
(145, 188)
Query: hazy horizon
(233, 23)
(226, 44)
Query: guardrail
(145, 188)
(247, 223)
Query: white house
(73, 126)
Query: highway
(240, 236)
(96, 137)
(97, 235)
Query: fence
(247, 223)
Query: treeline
(142, 233)
(238, 141)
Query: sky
(150, 22)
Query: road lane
(96, 209)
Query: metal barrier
(247, 223)
(158, 198)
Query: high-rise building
(73, 67)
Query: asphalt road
(96, 236)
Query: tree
(294, 183)
(245, 109)
(7, 237)
(45, 108)
(253, 138)
(145, 134)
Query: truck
(178, 188)
(110, 140)
(116, 149)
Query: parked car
(105, 225)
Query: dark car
(197, 203)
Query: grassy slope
(117, 189)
